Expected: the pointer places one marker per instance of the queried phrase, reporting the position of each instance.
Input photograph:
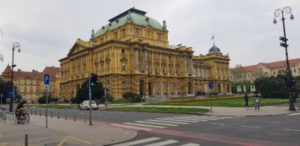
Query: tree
(5, 88)
(83, 92)
(272, 87)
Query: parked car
(85, 105)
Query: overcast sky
(47, 29)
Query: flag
(213, 37)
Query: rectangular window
(137, 32)
(115, 35)
(159, 36)
(123, 32)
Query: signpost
(47, 87)
(211, 86)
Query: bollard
(75, 116)
(5, 118)
(13, 117)
(66, 116)
(35, 112)
(57, 114)
(40, 112)
(26, 139)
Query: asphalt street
(192, 130)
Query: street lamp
(16, 45)
(289, 77)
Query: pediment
(78, 46)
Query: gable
(78, 46)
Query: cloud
(47, 29)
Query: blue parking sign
(46, 79)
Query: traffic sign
(211, 84)
(46, 79)
(11, 94)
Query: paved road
(192, 130)
(277, 130)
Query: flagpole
(213, 39)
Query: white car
(85, 105)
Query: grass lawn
(227, 102)
(55, 106)
(160, 109)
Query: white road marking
(217, 124)
(295, 130)
(294, 114)
(138, 141)
(156, 123)
(143, 125)
(131, 127)
(249, 126)
(191, 144)
(167, 121)
(183, 120)
(163, 143)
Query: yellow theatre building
(132, 54)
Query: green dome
(135, 16)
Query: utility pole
(290, 82)
(90, 101)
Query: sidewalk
(61, 132)
(238, 111)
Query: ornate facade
(215, 67)
(132, 54)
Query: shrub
(200, 93)
(42, 100)
(272, 87)
(132, 97)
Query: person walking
(257, 102)
(246, 99)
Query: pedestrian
(246, 99)
(257, 101)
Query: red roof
(7, 71)
(53, 71)
(281, 64)
(272, 65)
(249, 68)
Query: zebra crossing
(149, 124)
(156, 141)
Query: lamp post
(289, 77)
(16, 45)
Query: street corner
(73, 141)
(124, 134)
